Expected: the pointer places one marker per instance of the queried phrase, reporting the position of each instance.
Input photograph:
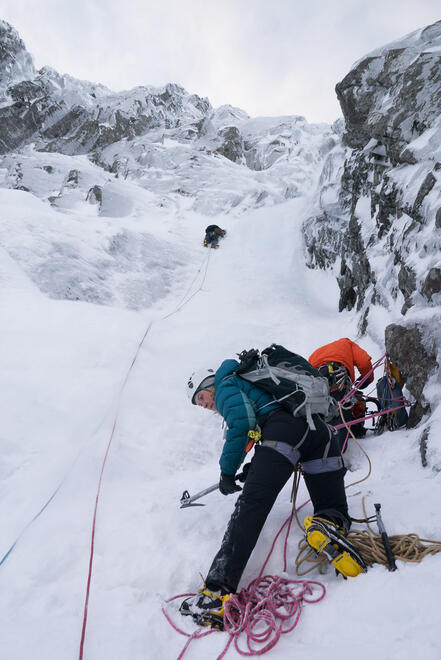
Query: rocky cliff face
(146, 133)
(15, 62)
(96, 160)
(378, 206)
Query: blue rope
(6, 555)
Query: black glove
(243, 475)
(227, 484)
(366, 383)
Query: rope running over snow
(181, 304)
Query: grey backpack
(293, 382)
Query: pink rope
(362, 380)
(393, 398)
(362, 419)
(347, 396)
(269, 608)
(344, 444)
(262, 612)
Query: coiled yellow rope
(406, 547)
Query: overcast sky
(268, 57)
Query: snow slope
(62, 382)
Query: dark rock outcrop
(432, 283)
(399, 73)
(415, 355)
(95, 195)
(232, 144)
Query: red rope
(92, 545)
(92, 541)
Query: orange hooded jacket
(346, 352)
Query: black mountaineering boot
(206, 608)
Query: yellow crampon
(324, 537)
(206, 608)
(223, 599)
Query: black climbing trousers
(211, 239)
(269, 471)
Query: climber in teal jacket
(285, 442)
(242, 405)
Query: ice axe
(384, 537)
(189, 500)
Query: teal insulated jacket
(239, 402)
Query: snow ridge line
(180, 305)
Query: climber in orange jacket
(337, 361)
(344, 352)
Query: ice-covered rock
(16, 63)
(376, 221)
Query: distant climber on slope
(337, 361)
(212, 235)
(285, 441)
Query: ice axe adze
(188, 500)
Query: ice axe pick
(189, 500)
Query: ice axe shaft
(384, 537)
(188, 500)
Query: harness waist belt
(288, 451)
(320, 465)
